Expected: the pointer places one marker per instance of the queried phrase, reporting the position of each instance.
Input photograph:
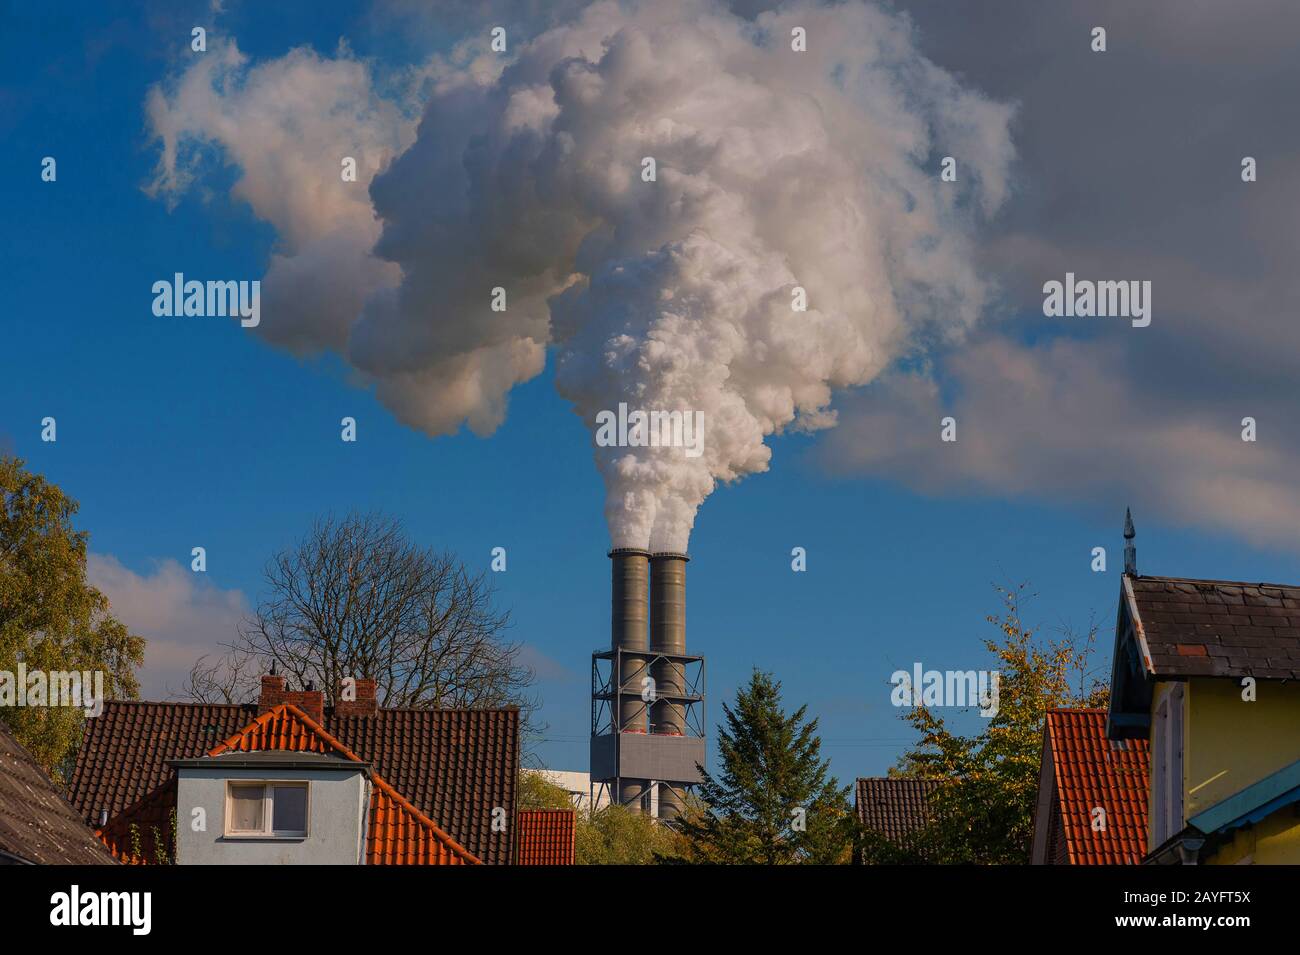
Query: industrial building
(647, 692)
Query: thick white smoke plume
(775, 169)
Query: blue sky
(175, 433)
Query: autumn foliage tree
(982, 813)
(51, 618)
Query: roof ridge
(442, 709)
(382, 709)
(1213, 580)
(233, 706)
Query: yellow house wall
(1273, 841)
(1230, 744)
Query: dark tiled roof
(454, 766)
(36, 823)
(545, 837)
(1218, 627)
(1091, 771)
(894, 807)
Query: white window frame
(268, 809)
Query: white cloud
(181, 615)
(1066, 420)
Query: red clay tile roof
(453, 766)
(36, 823)
(1218, 627)
(142, 834)
(1090, 770)
(545, 837)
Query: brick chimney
(274, 692)
(365, 704)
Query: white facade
(337, 800)
(578, 786)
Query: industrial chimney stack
(630, 589)
(668, 637)
(647, 693)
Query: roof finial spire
(1130, 552)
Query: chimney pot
(273, 692)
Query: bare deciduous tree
(357, 598)
(226, 679)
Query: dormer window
(267, 810)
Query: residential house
(1092, 793)
(1208, 671)
(37, 826)
(544, 837)
(893, 809)
(288, 781)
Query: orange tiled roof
(1090, 770)
(545, 837)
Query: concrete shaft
(633, 793)
(668, 635)
(672, 801)
(631, 572)
(628, 624)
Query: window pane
(290, 809)
(246, 808)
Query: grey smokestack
(668, 635)
(629, 610)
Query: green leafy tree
(51, 619)
(983, 811)
(535, 791)
(773, 803)
(617, 835)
